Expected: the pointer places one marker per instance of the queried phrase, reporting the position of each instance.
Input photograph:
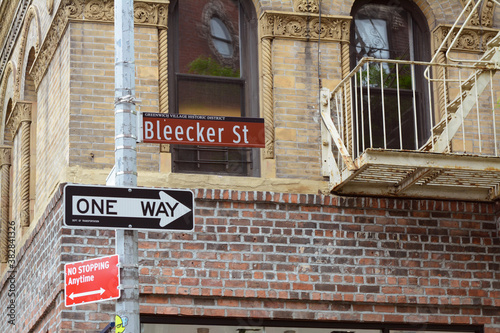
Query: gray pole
(127, 306)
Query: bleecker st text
(197, 133)
(203, 130)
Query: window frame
(420, 47)
(249, 75)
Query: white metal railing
(387, 104)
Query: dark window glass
(212, 71)
(221, 37)
(391, 31)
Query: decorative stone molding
(215, 8)
(306, 6)
(25, 172)
(475, 17)
(305, 26)
(145, 13)
(5, 162)
(163, 70)
(487, 14)
(485, 19)
(472, 39)
(10, 70)
(21, 119)
(11, 12)
(97, 10)
(32, 14)
(21, 113)
(268, 97)
(5, 156)
(151, 13)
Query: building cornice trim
(305, 26)
(472, 39)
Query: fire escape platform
(382, 172)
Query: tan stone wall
(296, 92)
(92, 93)
(52, 127)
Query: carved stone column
(442, 87)
(5, 163)
(346, 68)
(266, 28)
(162, 23)
(20, 121)
(163, 70)
(25, 172)
(267, 96)
(163, 77)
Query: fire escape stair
(432, 172)
(460, 107)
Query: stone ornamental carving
(471, 39)
(21, 119)
(484, 14)
(12, 11)
(31, 15)
(99, 10)
(5, 162)
(304, 26)
(5, 156)
(10, 71)
(306, 6)
(487, 14)
(475, 17)
(21, 113)
(96, 10)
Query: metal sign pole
(127, 306)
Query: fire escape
(380, 139)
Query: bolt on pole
(127, 306)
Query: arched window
(212, 71)
(395, 93)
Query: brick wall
(285, 256)
(38, 278)
(290, 256)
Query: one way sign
(128, 207)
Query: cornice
(305, 26)
(145, 13)
(472, 39)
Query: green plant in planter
(208, 66)
(389, 76)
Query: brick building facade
(279, 250)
